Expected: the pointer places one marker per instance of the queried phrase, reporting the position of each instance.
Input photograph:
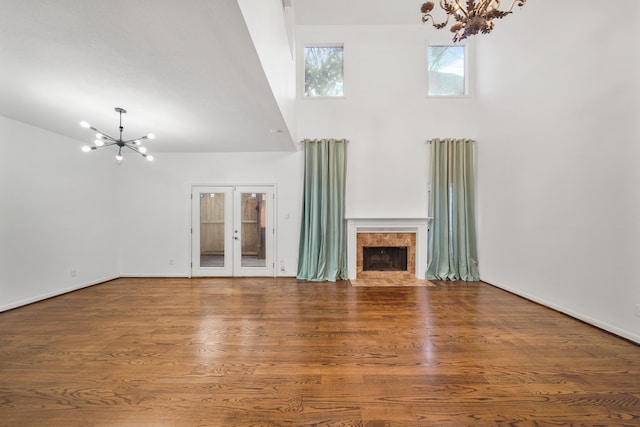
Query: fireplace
(385, 255)
(384, 258)
(377, 233)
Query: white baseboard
(154, 276)
(582, 317)
(55, 293)
(285, 274)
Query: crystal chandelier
(472, 17)
(104, 140)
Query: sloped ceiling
(185, 70)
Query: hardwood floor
(278, 352)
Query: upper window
(324, 71)
(447, 70)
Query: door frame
(232, 266)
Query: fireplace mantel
(389, 225)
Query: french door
(232, 231)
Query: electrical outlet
(74, 273)
(170, 262)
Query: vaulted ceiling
(185, 70)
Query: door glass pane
(211, 229)
(253, 216)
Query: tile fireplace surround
(381, 226)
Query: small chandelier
(476, 17)
(104, 140)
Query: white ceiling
(185, 70)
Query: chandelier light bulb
(119, 157)
(142, 150)
(137, 142)
(86, 148)
(150, 158)
(99, 135)
(99, 142)
(85, 125)
(151, 136)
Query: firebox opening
(384, 258)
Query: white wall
(58, 209)
(553, 110)
(559, 176)
(156, 205)
(384, 114)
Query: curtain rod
(324, 139)
(428, 141)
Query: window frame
(303, 64)
(468, 86)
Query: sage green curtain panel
(323, 254)
(452, 240)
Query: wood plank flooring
(278, 352)
(391, 282)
